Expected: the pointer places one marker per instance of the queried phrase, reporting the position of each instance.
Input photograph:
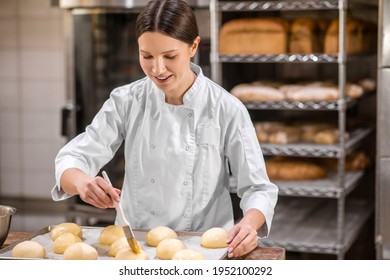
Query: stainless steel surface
(382, 225)
(127, 4)
(384, 112)
(6, 213)
(384, 35)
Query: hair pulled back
(174, 18)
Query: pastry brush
(133, 243)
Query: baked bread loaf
(254, 36)
(294, 170)
(257, 92)
(304, 36)
(309, 130)
(265, 129)
(354, 41)
(286, 135)
(356, 161)
(319, 91)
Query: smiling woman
(181, 133)
(162, 59)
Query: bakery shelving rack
(319, 224)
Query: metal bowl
(6, 213)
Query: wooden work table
(260, 253)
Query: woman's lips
(163, 80)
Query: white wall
(32, 92)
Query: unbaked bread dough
(128, 254)
(29, 249)
(188, 254)
(80, 251)
(215, 237)
(118, 245)
(110, 234)
(66, 227)
(64, 241)
(157, 234)
(168, 247)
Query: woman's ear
(194, 46)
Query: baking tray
(91, 237)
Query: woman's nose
(158, 67)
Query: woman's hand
(92, 190)
(98, 192)
(242, 238)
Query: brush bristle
(134, 245)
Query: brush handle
(118, 206)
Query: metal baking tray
(91, 237)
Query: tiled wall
(32, 92)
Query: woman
(181, 131)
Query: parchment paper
(91, 237)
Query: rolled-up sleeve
(248, 167)
(92, 149)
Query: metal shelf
(322, 188)
(310, 225)
(325, 188)
(278, 58)
(247, 6)
(316, 150)
(297, 105)
(289, 58)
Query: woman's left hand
(242, 239)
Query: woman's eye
(147, 57)
(170, 57)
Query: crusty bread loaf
(286, 135)
(257, 92)
(254, 36)
(319, 91)
(354, 42)
(356, 161)
(294, 170)
(265, 129)
(304, 36)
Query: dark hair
(174, 18)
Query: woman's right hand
(92, 190)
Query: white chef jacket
(176, 171)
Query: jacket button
(152, 181)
